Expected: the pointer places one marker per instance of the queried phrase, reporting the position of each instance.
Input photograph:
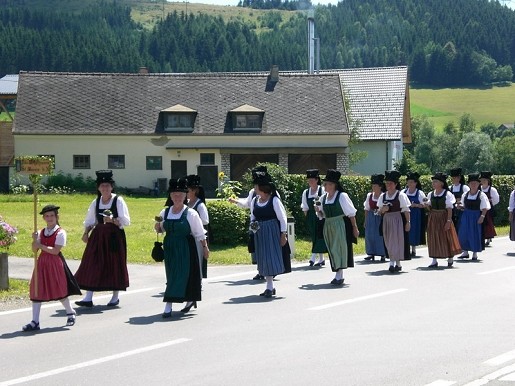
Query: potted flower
(7, 238)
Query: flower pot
(4, 271)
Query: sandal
(71, 320)
(32, 326)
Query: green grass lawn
(441, 106)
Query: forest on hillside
(445, 43)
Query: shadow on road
(158, 318)
(16, 334)
(252, 299)
(324, 286)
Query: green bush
(228, 222)
(77, 183)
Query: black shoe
(407, 258)
(413, 254)
(32, 326)
(487, 243)
(258, 277)
(167, 315)
(113, 304)
(71, 320)
(188, 308)
(463, 256)
(449, 265)
(391, 269)
(268, 293)
(368, 258)
(84, 303)
(435, 265)
(311, 263)
(474, 258)
(337, 281)
(383, 259)
(397, 268)
(320, 263)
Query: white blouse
(60, 239)
(121, 206)
(202, 212)
(404, 201)
(494, 195)
(279, 210)
(450, 200)
(485, 203)
(511, 205)
(366, 204)
(345, 202)
(197, 229)
(304, 205)
(456, 188)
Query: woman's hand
(205, 250)
(157, 227)
(284, 239)
(355, 231)
(447, 225)
(407, 227)
(85, 237)
(481, 219)
(35, 236)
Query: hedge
(230, 223)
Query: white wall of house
(380, 156)
(135, 150)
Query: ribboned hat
(413, 176)
(440, 177)
(473, 177)
(312, 173)
(392, 175)
(258, 172)
(178, 185)
(377, 179)
(50, 208)
(455, 172)
(104, 176)
(487, 175)
(332, 175)
(193, 181)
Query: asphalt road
(418, 327)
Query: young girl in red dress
(52, 277)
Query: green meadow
(441, 106)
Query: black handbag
(158, 253)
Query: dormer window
(178, 118)
(247, 118)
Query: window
(154, 163)
(247, 121)
(81, 162)
(179, 122)
(207, 158)
(116, 161)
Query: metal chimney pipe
(311, 42)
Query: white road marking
(509, 378)
(335, 304)
(496, 270)
(500, 359)
(492, 376)
(441, 382)
(93, 362)
(57, 303)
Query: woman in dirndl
(268, 222)
(104, 261)
(197, 201)
(310, 198)
(493, 198)
(183, 228)
(511, 208)
(457, 188)
(374, 242)
(52, 280)
(340, 228)
(442, 240)
(417, 233)
(475, 206)
(394, 206)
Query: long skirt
(395, 238)
(316, 232)
(202, 260)
(374, 242)
(417, 231)
(471, 234)
(104, 262)
(336, 241)
(489, 225)
(512, 229)
(268, 254)
(441, 244)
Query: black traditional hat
(312, 173)
(392, 175)
(263, 179)
(193, 181)
(49, 208)
(455, 172)
(377, 179)
(104, 176)
(333, 175)
(258, 173)
(440, 177)
(487, 175)
(473, 177)
(178, 185)
(413, 176)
